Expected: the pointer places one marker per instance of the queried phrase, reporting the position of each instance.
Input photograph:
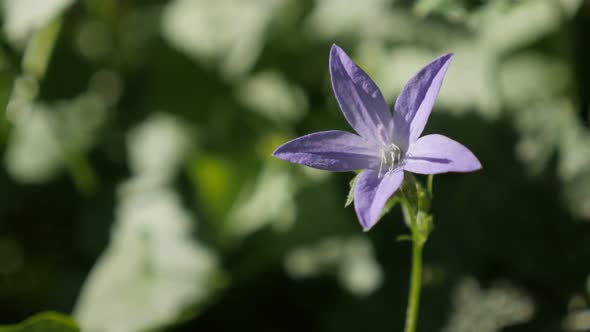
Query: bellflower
(387, 144)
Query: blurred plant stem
(39, 50)
(81, 171)
(34, 65)
(415, 202)
(33, 68)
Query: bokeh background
(137, 190)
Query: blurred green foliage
(44, 322)
(137, 191)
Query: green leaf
(450, 8)
(44, 322)
(268, 201)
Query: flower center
(391, 156)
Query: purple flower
(387, 144)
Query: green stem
(420, 224)
(415, 282)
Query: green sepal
(391, 202)
(416, 203)
(409, 189)
(418, 196)
(44, 322)
(406, 214)
(424, 226)
(350, 197)
(423, 201)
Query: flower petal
(359, 97)
(333, 150)
(433, 154)
(371, 193)
(414, 104)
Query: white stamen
(394, 153)
(383, 160)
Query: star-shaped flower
(387, 144)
